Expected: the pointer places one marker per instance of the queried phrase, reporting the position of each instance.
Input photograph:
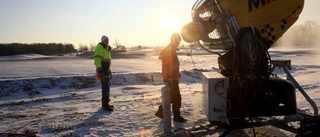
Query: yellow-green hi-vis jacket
(102, 59)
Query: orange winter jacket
(170, 63)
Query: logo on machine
(256, 3)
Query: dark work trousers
(105, 86)
(175, 98)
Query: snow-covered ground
(59, 96)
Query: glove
(168, 82)
(109, 48)
(165, 80)
(101, 75)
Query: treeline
(37, 48)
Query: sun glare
(170, 21)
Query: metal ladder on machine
(286, 66)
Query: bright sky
(131, 22)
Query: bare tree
(92, 46)
(117, 43)
(83, 48)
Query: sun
(170, 21)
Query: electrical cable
(184, 130)
(221, 94)
(194, 66)
(253, 130)
(208, 50)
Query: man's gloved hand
(109, 48)
(168, 82)
(165, 80)
(101, 74)
(102, 77)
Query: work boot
(179, 119)
(104, 103)
(106, 106)
(177, 115)
(109, 104)
(159, 113)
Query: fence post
(165, 97)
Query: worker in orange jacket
(171, 75)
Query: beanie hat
(175, 37)
(104, 37)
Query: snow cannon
(244, 91)
(245, 31)
(217, 22)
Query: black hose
(184, 130)
(207, 49)
(253, 130)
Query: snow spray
(165, 97)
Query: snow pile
(24, 56)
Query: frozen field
(59, 96)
